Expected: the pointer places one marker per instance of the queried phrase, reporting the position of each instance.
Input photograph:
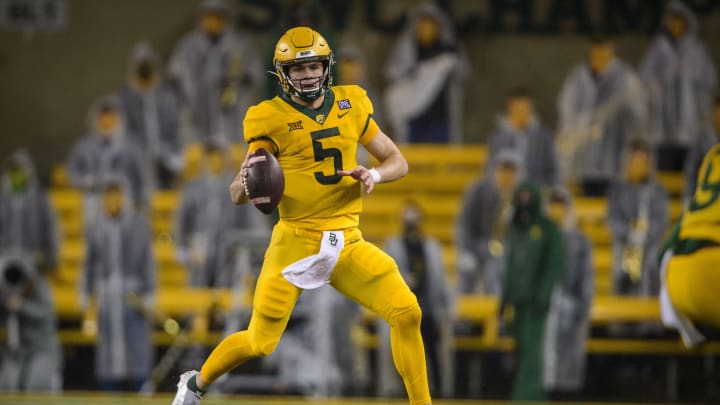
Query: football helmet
(302, 45)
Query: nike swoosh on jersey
(343, 114)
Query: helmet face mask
(306, 87)
(302, 46)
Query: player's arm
(393, 165)
(237, 187)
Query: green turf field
(165, 399)
(124, 399)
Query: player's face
(306, 76)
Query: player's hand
(238, 190)
(361, 174)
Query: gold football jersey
(311, 146)
(701, 219)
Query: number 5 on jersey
(323, 153)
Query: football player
(691, 278)
(314, 129)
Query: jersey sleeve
(368, 129)
(255, 130)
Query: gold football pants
(363, 273)
(693, 282)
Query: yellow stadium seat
(625, 309)
(66, 201)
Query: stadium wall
(49, 78)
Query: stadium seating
(437, 180)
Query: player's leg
(693, 281)
(371, 278)
(273, 302)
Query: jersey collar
(320, 115)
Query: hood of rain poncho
(505, 156)
(214, 6)
(563, 194)
(681, 8)
(352, 52)
(143, 52)
(406, 49)
(535, 203)
(430, 9)
(113, 102)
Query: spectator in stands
(680, 78)
(151, 109)
(520, 130)
(569, 317)
(31, 357)
(206, 217)
(602, 105)
(425, 72)
(420, 260)
(218, 72)
(27, 221)
(699, 149)
(535, 263)
(119, 281)
(347, 351)
(105, 151)
(638, 218)
(352, 69)
(306, 362)
(483, 224)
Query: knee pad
(406, 311)
(263, 344)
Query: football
(265, 182)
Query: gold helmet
(302, 45)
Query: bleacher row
(437, 179)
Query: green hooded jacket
(535, 252)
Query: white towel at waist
(670, 316)
(314, 271)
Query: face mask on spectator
(18, 179)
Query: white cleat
(185, 396)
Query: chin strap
(309, 98)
